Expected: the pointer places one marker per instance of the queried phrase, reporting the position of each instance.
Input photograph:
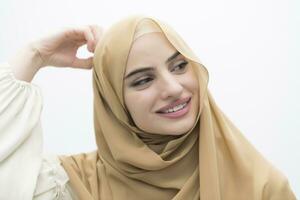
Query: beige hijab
(213, 161)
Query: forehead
(151, 47)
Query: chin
(178, 131)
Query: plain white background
(250, 48)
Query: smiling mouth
(180, 111)
(176, 108)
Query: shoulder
(277, 186)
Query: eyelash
(148, 79)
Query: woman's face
(164, 77)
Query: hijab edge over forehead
(145, 26)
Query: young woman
(159, 132)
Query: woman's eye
(181, 66)
(142, 81)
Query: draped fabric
(212, 161)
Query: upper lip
(175, 103)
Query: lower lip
(177, 114)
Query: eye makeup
(146, 78)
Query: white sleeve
(53, 181)
(20, 136)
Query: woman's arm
(26, 63)
(21, 146)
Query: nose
(170, 87)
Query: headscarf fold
(212, 161)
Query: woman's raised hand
(60, 49)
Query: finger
(98, 33)
(83, 63)
(89, 38)
(80, 43)
(82, 35)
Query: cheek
(139, 102)
(195, 84)
(194, 79)
(191, 82)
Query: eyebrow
(144, 69)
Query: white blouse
(25, 172)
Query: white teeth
(176, 108)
